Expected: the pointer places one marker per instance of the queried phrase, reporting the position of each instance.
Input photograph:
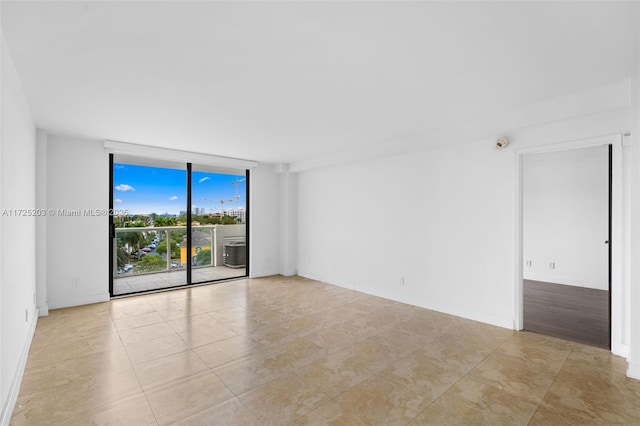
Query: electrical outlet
(552, 265)
(401, 280)
(75, 283)
(529, 263)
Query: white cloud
(117, 200)
(173, 198)
(203, 179)
(125, 187)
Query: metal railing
(133, 245)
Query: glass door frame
(189, 229)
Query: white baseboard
(620, 350)
(331, 281)
(78, 301)
(43, 311)
(633, 370)
(14, 389)
(496, 320)
(260, 274)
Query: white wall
(264, 219)
(634, 234)
(18, 233)
(77, 246)
(442, 218)
(566, 216)
(288, 222)
(41, 223)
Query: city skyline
(142, 190)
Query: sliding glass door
(175, 224)
(218, 224)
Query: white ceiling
(283, 82)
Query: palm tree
(132, 239)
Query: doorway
(566, 250)
(175, 224)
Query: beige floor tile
(604, 396)
(74, 348)
(169, 369)
(156, 348)
(227, 351)
(382, 401)
(95, 364)
(472, 403)
(145, 333)
(94, 391)
(229, 413)
(521, 378)
(588, 356)
(419, 370)
(206, 335)
(181, 399)
(190, 322)
(131, 411)
(329, 414)
(290, 345)
(339, 371)
(37, 408)
(251, 371)
(139, 320)
(282, 400)
(38, 378)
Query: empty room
(320, 213)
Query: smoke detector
(502, 142)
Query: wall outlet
(529, 263)
(75, 282)
(552, 265)
(401, 280)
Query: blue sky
(144, 190)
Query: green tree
(162, 248)
(150, 263)
(228, 220)
(203, 258)
(133, 239)
(122, 257)
(165, 221)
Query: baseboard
(78, 301)
(331, 281)
(633, 370)
(620, 350)
(260, 274)
(14, 389)
(496, 320)
(43, 311)
(491, 319)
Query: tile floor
(279, 351)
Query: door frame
(615, 242)
(189, 277)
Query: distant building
(239, 213)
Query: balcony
(154, 258)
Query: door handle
(606, 242)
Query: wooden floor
(572, 313)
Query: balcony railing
(153, 250)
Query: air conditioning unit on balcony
(234, 254)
